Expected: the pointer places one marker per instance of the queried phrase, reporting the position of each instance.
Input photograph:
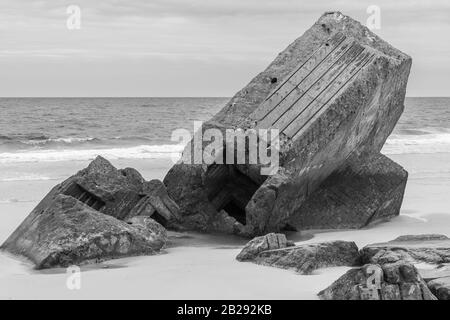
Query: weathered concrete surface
(392, 281)
(370, 188)
(155, 202)
(335, 94)
(275, 251)
(69, 232)
(99, 213)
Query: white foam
(138, 152)
(396, 144)
(425, 143)
(26, 177)
(8, 201)
(63, 140)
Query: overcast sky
(192, 47)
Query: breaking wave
(56, 140)
(134, 152)
(436, 140)
(14, 201)
(27, 177)
(42, 141)
(36, 148)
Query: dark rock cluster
(429, 252)
(410, 267)
(392, 281)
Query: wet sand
(197, 266)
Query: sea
(48, 130)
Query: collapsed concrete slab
(121, 194)
(335, 95)
(69, 232)
(99, 213)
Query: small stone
(304, 259)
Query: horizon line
(155, 97)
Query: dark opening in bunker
(160, 219)
(230, 189)
(235, 211)
(79, 193)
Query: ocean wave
(422, 131)
(43, 142)
(26, 177)
(436, 141)
(25, 136)
(137, 152)
(43, 148)
(40, 140)
(14, 201)
(56, 140)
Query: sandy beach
(198, 266)
(144, 144)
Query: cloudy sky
(192, 47)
